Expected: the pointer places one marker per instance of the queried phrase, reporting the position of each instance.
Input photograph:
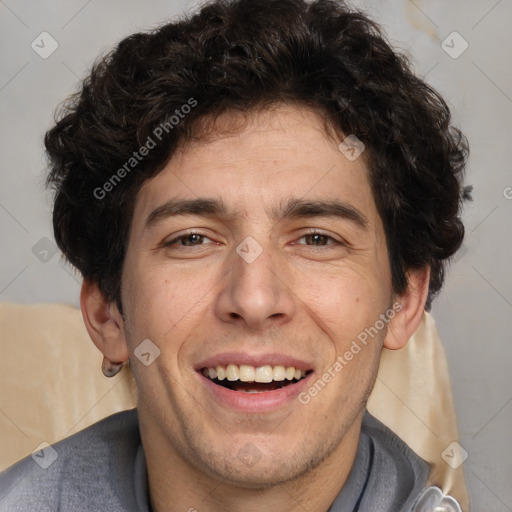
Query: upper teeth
(246, 373)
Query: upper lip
(238, 358)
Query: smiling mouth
(251, 379)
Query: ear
(104, 323)
(409, 309)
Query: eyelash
(313, 232)
(183, 237)
(309, 234)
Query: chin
(263, 475)
(251, 468)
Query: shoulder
(406, 473)
(93, 467)
(390, 448)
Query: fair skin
(302, 301)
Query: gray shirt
(103, 468)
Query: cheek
(164, 304)
(345, 303)
(346, 309)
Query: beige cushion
(51, 386)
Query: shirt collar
(386, 474)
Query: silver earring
(109, 368)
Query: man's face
(309, 278)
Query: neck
(174, 484)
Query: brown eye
(192, 239)
(317, 239)
(188, 240)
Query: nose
(255, 292)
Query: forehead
(254, 162)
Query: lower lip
(255, 402)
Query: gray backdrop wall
(463, 48)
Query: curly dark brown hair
(243, 55)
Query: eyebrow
(200, 207)
(300, 208)
(292, 209)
